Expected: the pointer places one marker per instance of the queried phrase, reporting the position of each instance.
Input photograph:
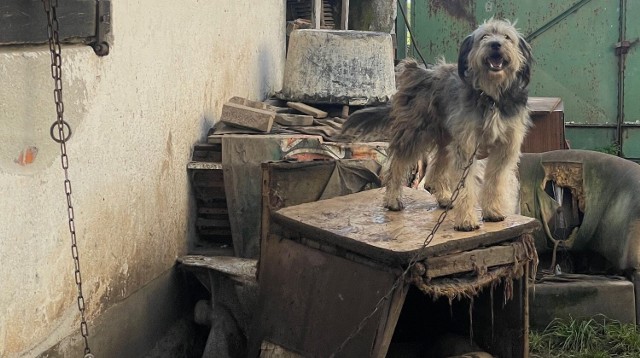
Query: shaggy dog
(445, 111)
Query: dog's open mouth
(496, 62)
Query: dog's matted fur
(443, 111)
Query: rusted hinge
(622, 47)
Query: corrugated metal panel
(632, 68)
(596, 138)
(574, 49)
(631, 142)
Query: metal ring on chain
(65, 137)
(56, 73)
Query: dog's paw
(466, 226)
(444, 199)
(445, 203)
(493, 218)
(393, 204)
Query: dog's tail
(368, 124)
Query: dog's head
(494, 57)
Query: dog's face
(495, 55)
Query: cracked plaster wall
(136, 114)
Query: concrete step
(581, 296)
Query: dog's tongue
(495, 63)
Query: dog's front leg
(497, 188)
(465, 216)
(439, 177)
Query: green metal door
(574, 43)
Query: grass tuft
(592, 338)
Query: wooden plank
(294, 119)
(304, 108)
(204, 166)
(212, 211)
(218, 223)
(310, 305)
(221, 232)
(238, 269)
(359, 223)
(246, 117)
(469, 260)
(210, 193)
(208, 184)
(388, 325)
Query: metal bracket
(622, 47)
(103, 27)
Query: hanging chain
(56, 73)
(414, 258)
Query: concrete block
(247, 117)
(581, 298)
(253, 104)
(294, 119)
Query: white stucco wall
(136, 115)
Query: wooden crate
(328, 264)
(547, 133)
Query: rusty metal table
(325, 265)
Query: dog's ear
(463, 62)
(525, 72)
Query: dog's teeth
(495, 63)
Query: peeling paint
(462, 10)
(27, 156)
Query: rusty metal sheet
(574, 49)
(360, 224)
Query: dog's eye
(507, 37)
(484, 36)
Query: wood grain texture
(358, 223)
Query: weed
(591, 338)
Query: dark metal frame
(22, 22)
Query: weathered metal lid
(339, 66)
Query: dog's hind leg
(497, 188)
(395, 178)
(464, 206)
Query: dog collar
(487, 100)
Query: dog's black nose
(495, 45)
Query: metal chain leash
(414, 258)
(56, 72)
(434, 230)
